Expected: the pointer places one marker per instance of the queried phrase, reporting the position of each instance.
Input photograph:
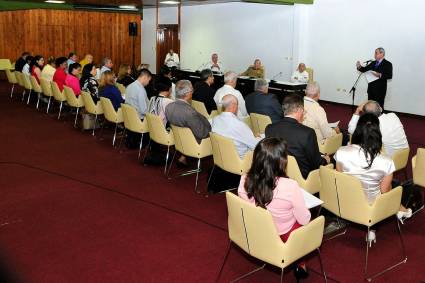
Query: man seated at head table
(302, 140)
(315, 116)
(180, 113)
(228, 125)
(230, 80)
(262, 102)
(204, 92)
(214, 65)
(255, 71)
(392, 130)
(300, 75)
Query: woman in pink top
(72, 78)
(267, 186)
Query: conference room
(212, 141)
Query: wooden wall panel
(58, 32)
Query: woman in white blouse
(363, 159)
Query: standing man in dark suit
(302, 140)
(383, 70)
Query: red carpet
(73, 209)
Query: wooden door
(167, 37)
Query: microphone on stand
(275, 76)
(368, 61)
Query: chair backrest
(27, 81)
(185, 143)
(253, 230)
(400, 158)
(355, 207)
(46, 87)
(121, 88)
(89, 104)
(419, 168)
(35, 85)
(331, 145)
(132, 121)
(5, 64)
(201, 109)
(310, 72)
(259, 123)
(71, 98)
(157, 132)
(226, 156)
(20, 78)
(109, 111)
(328, 191)
(11, 77)
(293, 170)
(57, 94)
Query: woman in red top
(60, 76)
(36, 66)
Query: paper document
(310, 200)
(370, 77)
(334, 124)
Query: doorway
(167, 37)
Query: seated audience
(27, 67)
(230, 79)
(315, 115)
(228, 125)
(60, 75)
(204, 92)
(300, 75)
(49, 69)
(363, 159)
(392, 130)
(159, 102)
(88, 81)
(21, 61)
(255, 71)
(266, 185)
(106, 65)
(36, 66)
(72, 79)
(72, 58)
(172, 59)
(214, 65)
(302, 140)
(136, 93)
(108, 89)
(125, 75)
(262, 102)
(166, 72)
(88, 59)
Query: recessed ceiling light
(54, 2)
(170, 2)
(127, 7)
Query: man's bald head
(230, 103)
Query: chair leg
(95, 122)
(224, 261)
(76, 117)
(249, 273)
(115, 134)
(11, 92)
(29, 96)
(166, 160)
(60, 110)
(23, 95)
(146, 151)
(121, 141)
(38, 100)
(197, 175)
(48, 105)
(140, 147)
(209, 178)
(171, 164)
(282, 274)
(321, 265)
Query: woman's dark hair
(162, 84)
(59, 61)
(368, 136)
(29, 59)
(34, 61)
(72, 67)
(164, 70)
(269, 163)
(86, 73)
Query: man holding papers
(378, 72)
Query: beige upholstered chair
(259, 123)
(354, 207)
(27, 85)
(21, 82)
(133, 123)
(11, 78)
(252, 229)
(312, 183)
(400, 158)
(159, 134)
(111, 116)
(226, 156)
(121, 88)
(58, 95)
(418, 166)
(331, 144)
(186, 144)
(73, 101)
(36, 88)
(5, 64)
(46, 87)
(200, 108)
(91, 107)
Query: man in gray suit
(180, 113)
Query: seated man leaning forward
(315, 115)
(228, 125)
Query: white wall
(239, 33)
(341, 32)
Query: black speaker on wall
(132, 29)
